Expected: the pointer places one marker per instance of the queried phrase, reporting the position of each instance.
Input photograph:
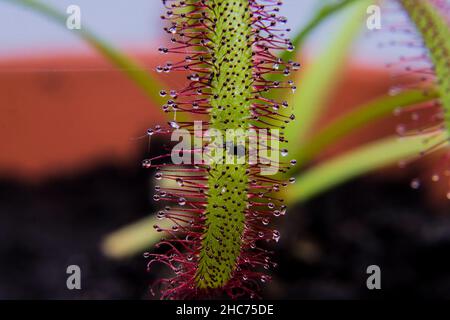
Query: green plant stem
(358, 162)
(360, 116)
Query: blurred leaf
(319, 78)
(322, 14)
(358, 162)
(131, 68)
(134, 238)
(360, 116)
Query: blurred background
(70, 167)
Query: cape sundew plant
(431, 26)
(221, 212)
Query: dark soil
(325, 249)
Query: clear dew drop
(173, 29)
(158, 176)
(146, 255)
(146, 163)
(194, 77)
(293, 162)
(277, 213)
(284, 152)
(292, 180)
(174, 125)
(161, 215)
(163, 50)
(271, 206)
(156, 197)
(265, 221)
(415, 184)
(181, 201)
(276, 235)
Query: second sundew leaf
(222, 206)
(367, 113)
(435, 32)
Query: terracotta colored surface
(359, 85)
(64, 113)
